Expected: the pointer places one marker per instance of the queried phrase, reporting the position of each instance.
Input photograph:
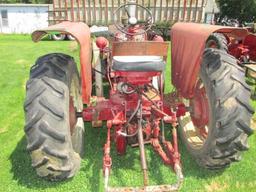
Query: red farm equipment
(209, 106)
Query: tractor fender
(81, 33)
(188, 44)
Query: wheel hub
(72, 115)
(199, 107)
(212, 44)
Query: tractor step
(156, 188)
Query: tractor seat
(138, 63)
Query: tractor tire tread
(40, 163)
(46, 128)
(231, 136)
(229, 97)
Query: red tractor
(209, 105)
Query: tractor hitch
(170, 155)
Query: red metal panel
(250, 43)
(140, 48)
(187, 52)
(81, 32)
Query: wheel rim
(212, 44)
(72, 115)
(195, 123)
(75, 104)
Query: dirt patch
(230, 103)
(7, 123)
(242, 185)
(73, 46)
(21, 61)
(215, 186)
(253, 124)
(2, 130)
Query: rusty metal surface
(140, 48)
(188, 44)
(101, 11)
(143, 160)
(81, 33)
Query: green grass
(17, 54)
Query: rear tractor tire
(55, 137)
(216, 128)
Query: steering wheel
(132, 21)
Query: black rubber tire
(230, 112)
(219, 39)
(54, 151)
(58, 37)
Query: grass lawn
(17, 54)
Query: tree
(243, 10)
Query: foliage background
(243, 10)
